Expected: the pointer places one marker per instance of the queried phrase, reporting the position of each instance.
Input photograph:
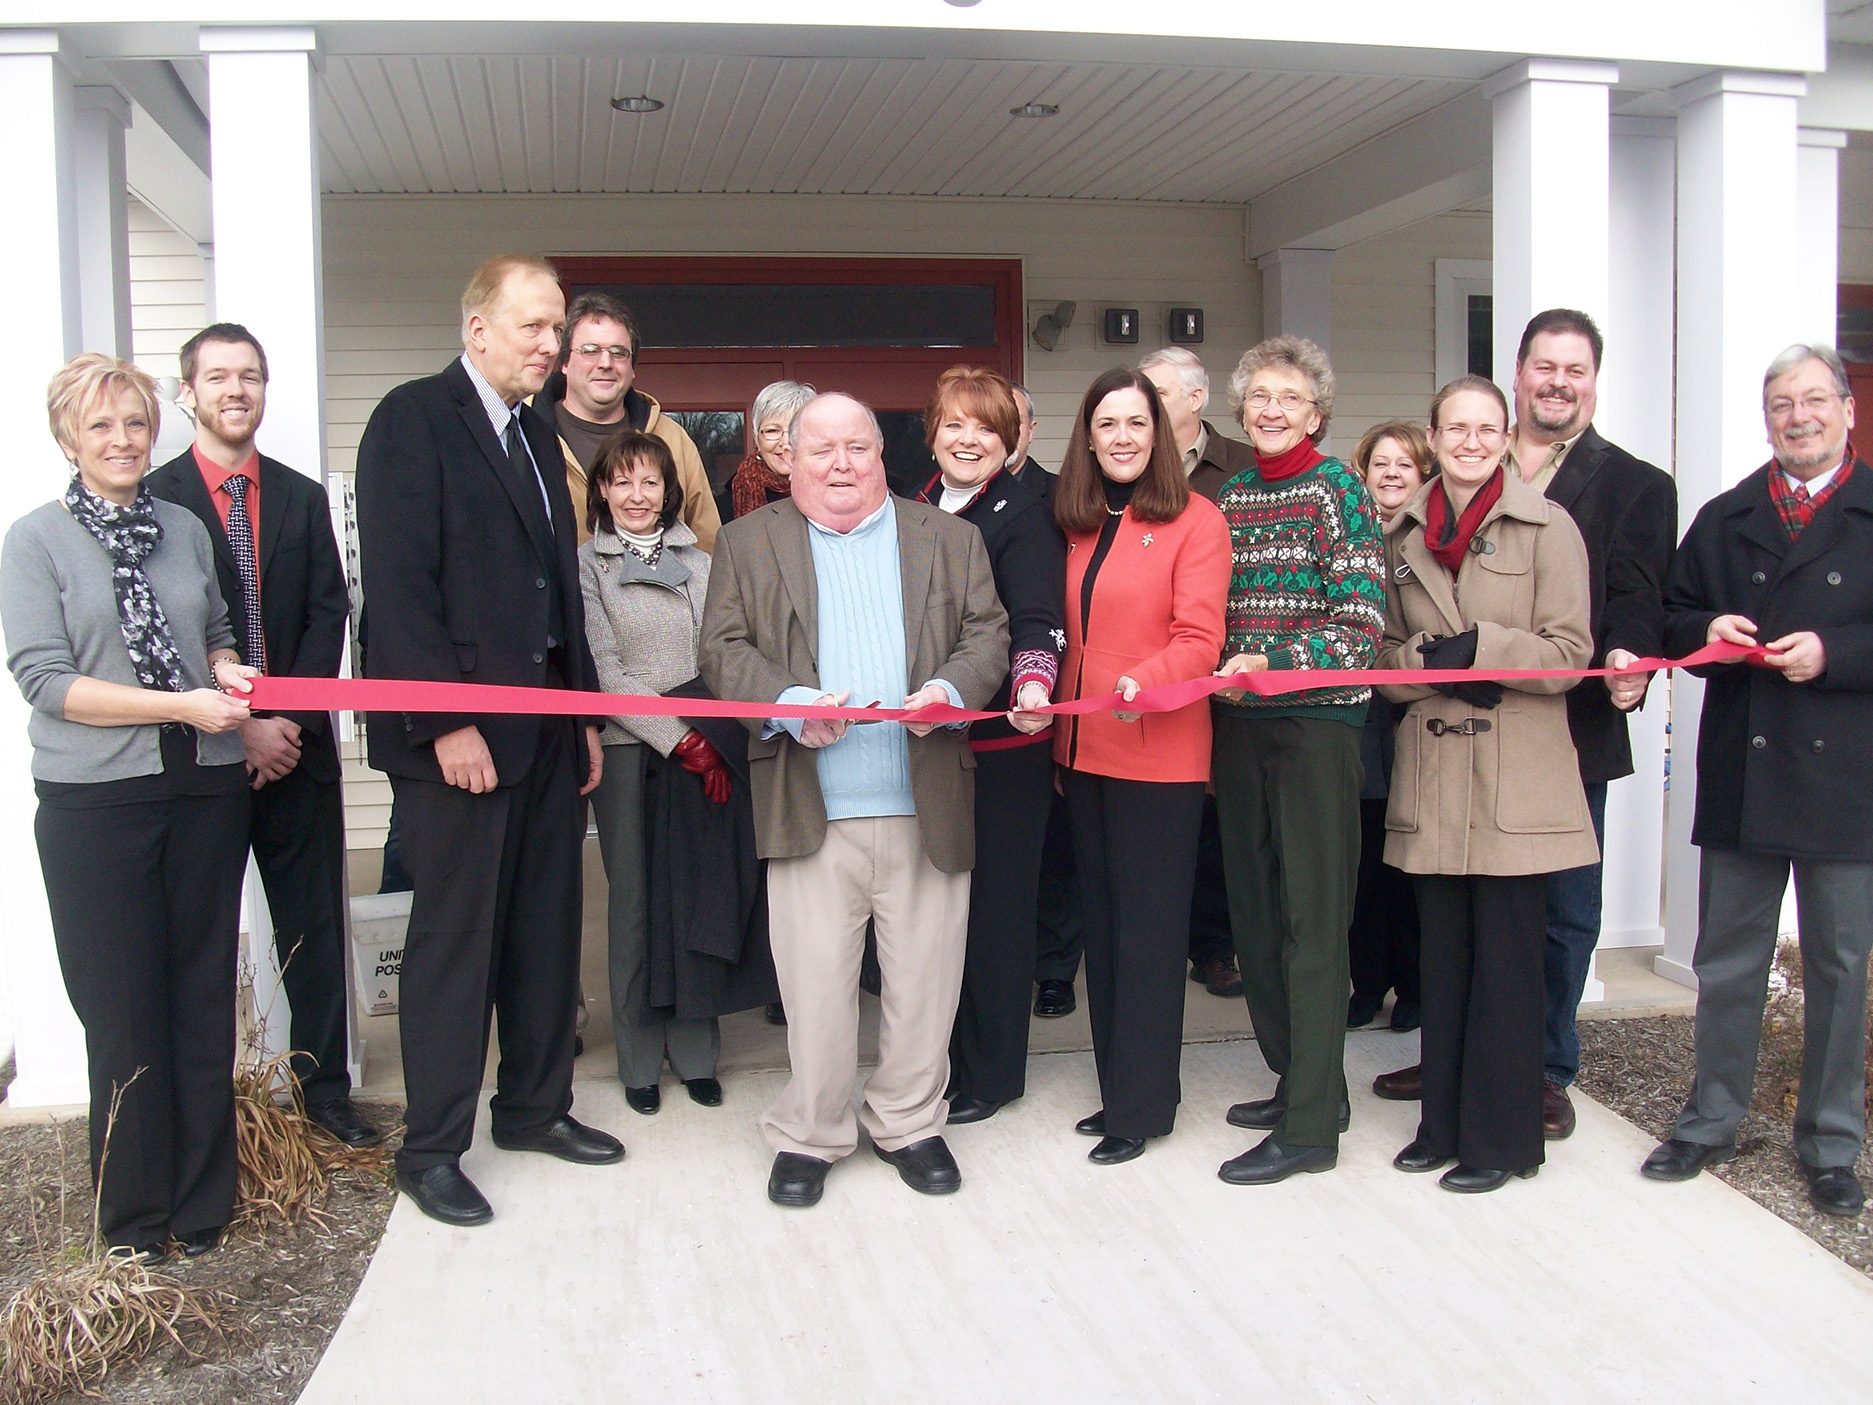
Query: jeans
(1573, 932)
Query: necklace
(1115, 512)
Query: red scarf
(1289, 462)
(1797, 507)
(755, 485)
(1449, 544)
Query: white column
(101, 118)
(1297, 294)
(266, 275)
(39, 243)
(1736, 148)
(1635, 412)
(1549, 159)
(1817, 224)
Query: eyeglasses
(1814, 404)
(774, 432)
(592, 351)
(1290, 401)
(1462, 433)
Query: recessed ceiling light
(637, 104)
(1035, 109)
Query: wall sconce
(1186, 325)
(1121, 326)
(1049, 326)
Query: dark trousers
(1382, 942)
(1481, 959)
(1287, 795)
(1135, 848)
(1573, 933)
(989, 1044)
(145, 900)
(494, 929)
(297, 829)
(1060, 932)
(1211, 937)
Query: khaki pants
(819, 904)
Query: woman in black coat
(971, 425)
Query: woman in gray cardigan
(117, 635)
(678, 911)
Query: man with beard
(1627, 511)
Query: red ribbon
(278, 693)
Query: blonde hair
(84, 381)
(483, 294)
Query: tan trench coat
(1506, 799)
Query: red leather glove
(701, 759)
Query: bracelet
(214, 677)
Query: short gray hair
(1191, 373)
(1799, 354)
(1300, 353)
(793, 428)
(782, 398)
(1024, 400)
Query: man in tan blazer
(844, 594)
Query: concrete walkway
(670, 1277)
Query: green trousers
(1287, 802)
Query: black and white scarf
(129, 534)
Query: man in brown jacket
(843, 594)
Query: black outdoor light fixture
(639, 104)
(1186, 325)
(1121, 326)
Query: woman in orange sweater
(1147, 574)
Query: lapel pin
(1147, 539)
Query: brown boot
(1557, 1112)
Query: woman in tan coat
(1483, 571)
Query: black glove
(1459, 651)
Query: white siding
(168, 290)
(395, 266)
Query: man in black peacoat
(467, 546)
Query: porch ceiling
(535, 123)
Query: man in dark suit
(1784, 777)
(842, 593)
(467, 546)
(274, 550)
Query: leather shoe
(569, 1141)
(444, 1193)
(1833, 1190)
(1479, 1180)
(1407, 1015)
(1093, 1125)
(925, 1166)
(153, 1252)
(1557, 1111)
(1271, 1162)
(1264, 1114)
(797, 1179)
(1679, 1160)
(964, 1109)
(1419, 1158)
(1401, 1085)
(706, 1091)
(199, 1242)
(1052, 999)
(775, 1013)
(341, 1120)
(1362, 1010)
(645, 1100)
(1219, 977)
(1113, 1151)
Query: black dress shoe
(1834, 1190)
(569, 1141)
(153, 1252)
(1419, 1158)
(1271, 1162)
(1401, 1085)
(1407, 1015)
(1113, 1151)
(1092, 1126)
(1679, 1160)
(964, 1109)
(1480, 1180)
(706, 1091)
(1052, 999)
(925, 1166)
(341, 1119)
(645, 1100)
(578, 1046)
(1362, 1010)
(776, 1014)
(797, 1179)
(444, 1193)
(199, 1242)
(1264, 1114)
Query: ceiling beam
(154, 86)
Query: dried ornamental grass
(287, 1160)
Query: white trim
(1456, 281)
(1550, 71)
